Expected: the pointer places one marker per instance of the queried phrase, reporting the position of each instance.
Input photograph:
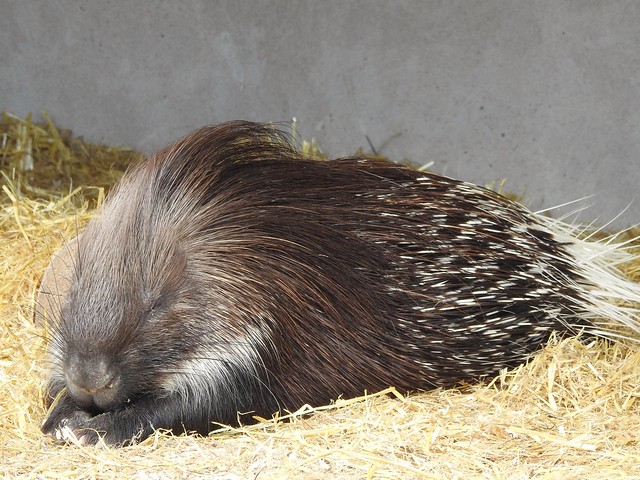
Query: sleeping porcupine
(229, 273)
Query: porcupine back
(293, 280)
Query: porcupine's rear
(478, 282)
(496, 279)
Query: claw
(66, 434)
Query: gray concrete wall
(544, 93)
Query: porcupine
(231, 274)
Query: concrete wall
(544, 93)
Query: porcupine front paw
(68, 423)
(62, 425)
(108, 427)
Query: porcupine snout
(92, 381)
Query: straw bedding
(571, 412)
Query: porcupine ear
(55, 284)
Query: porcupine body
(228, 273)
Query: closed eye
(154, 310)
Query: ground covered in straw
(571, 413)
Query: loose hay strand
(570, 412)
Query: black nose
(91, 382)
